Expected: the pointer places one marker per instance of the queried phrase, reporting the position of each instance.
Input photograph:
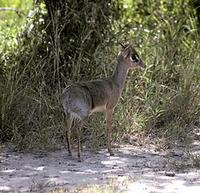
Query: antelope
(81, 99)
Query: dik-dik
(81, 99)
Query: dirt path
(144, 169)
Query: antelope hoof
(70, 154)
(111, 153)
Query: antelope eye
(135, 58)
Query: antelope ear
(123, 45)
(126, 52)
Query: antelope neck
(120, 74)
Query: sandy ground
(144, 170)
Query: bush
(66, 42)
(61, 42)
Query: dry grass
(111, 188)
(162, 101)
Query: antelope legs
(109, 116)
(68, 123)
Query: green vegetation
(108, 188)
(49, 44)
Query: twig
(18, 12)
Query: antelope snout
(142, 65)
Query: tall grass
(50, 54)
(163, 100)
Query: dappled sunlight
(10, 171)
(40, 168)
(113, 161)
(5, 188)
(64, 172)
(47, 45)
(145, 168)
(160, 183)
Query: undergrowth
(51, 51)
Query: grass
(108, 188)
(162, 101)
(96, 189)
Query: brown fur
(83, 98)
